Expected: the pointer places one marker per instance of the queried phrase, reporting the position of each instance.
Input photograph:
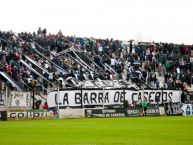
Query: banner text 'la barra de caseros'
(75, 98)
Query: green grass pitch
(99, 131)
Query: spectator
(164, 58)
(45, 106)
(144, 107)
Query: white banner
(153, 96)
(71, 113)
(110, 97)
(89, 97)
(187, 109)
(30, 114)
(20, 99)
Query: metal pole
(82, 104)
(33, 101)
(6, 96)
(33, 107)
(162, 97)
(103, 98)
(58, 100)
(143, 94)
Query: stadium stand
(58, 60)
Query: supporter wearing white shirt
(100, 49)
(113, 62)
(33, 45)
(178, 73)
(51, 76)
(147, 53)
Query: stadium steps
(12, 81)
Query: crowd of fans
(140, 63)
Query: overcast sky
(142, 20)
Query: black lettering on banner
(122, 97)
(93, 97)
(36, 114)
(56, 100)
(165, 96)
(145, 95)
(116, 97)
(139, 96)
(107, 97)
(106, 113)
(170, 94)
(151, 97)
(133, 98)
(29, 114)
(119, 97)
(65, 99)
(85, 98)
(100, 98)
(133, 112)
(153, 111)
(12, 115)
(157, 96)
(20, 115)
(77, 98)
